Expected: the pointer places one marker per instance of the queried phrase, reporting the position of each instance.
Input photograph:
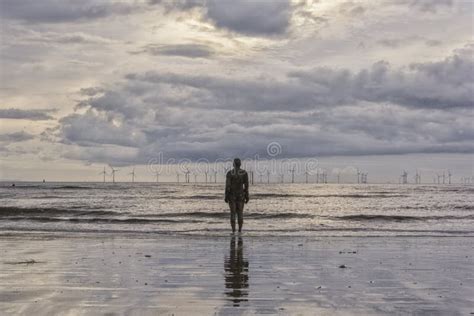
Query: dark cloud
(445, 84)
(250, 17)
(124, 102)
(222, 92)
(96, 128)
(174, 5)
(91, 91)
(15, 137)
(181, 50)
(60, 11)
(33, 115)
(371, 129)
(427, 5)
(423, 108)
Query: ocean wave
(356, 195)
(6, 211)
(52, 187)
(73, 187)
(98, 220)
(364, 196)
(202, 197)
(225, 214)
(11, 213)
(464, 207)
(399, 218)
(39, 213)
(249, 233)
(280, 195)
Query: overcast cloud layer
(118, 82)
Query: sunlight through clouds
(321, 78)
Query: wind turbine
(205, 173)
(260, 177)
(268, 176)
(103, 173)
(133, 175)
(417, 177)
(404, 177)
(157, 175)
(113, 174)
(177, 176)
(186, 175)
(293, 174)
(338, 177)
(215, 176)
(227, 169)
(449, 177)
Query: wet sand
(164, 275)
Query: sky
(380, 86)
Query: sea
(198, 209)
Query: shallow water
(274, 209)
(197, 275)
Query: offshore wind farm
(202, 174)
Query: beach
(146, 274)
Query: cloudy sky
(380, 85)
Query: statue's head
(237, 163)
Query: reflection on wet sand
(236, 272)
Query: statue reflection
(236, 273)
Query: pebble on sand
(342, 266)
